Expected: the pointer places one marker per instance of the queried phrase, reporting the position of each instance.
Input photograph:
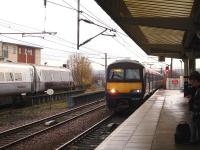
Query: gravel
(58, 136)
(16, 117)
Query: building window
(5, 51)
(14, 50)
(29, 51)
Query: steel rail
(64, 146)
(30, 125)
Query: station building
(18, 53)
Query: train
(19, 80)
(128, 82)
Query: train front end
(124, 85)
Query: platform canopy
(166, 28)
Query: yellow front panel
(124, 87)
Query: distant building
(19, 53)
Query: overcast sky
(61, 16)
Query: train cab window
(132, 74)
(2, 76)
(116, 74)
(9, 76)
(18, 77)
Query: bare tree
(81, 69)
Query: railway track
(23, 133)
(92, 137)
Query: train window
(64, 75)
(51, 73)
(9, 76)
(47, 75)
(56, 76)
(18, 77)
(2, 76)
(132, 74)
(116, 74)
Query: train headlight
(136, 91)
(112, 91)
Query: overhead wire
(54, 48)
(53, 36)
(61, 5)
(57, 58)
(97, 63)
(109, 27)
(127, 48)
(130, 45)
(106, 25)
(58, 38)
(95, 17)
(98, 20)
(42, 46)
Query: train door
(148, 82)
(144, 81)
(151, 81)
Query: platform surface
(152, 126)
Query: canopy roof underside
(168, 28)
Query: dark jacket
(196, 101)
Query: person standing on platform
(194, 80)
(192, 89)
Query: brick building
(19, 53)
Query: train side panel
(52, 78)
(15, 79)
(19, 80)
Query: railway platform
(152, 126)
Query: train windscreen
(132, 74)
(116, 74)
(124, 74)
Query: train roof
(16, 65)
(25, 66)
(127, 61)
(51, 68)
